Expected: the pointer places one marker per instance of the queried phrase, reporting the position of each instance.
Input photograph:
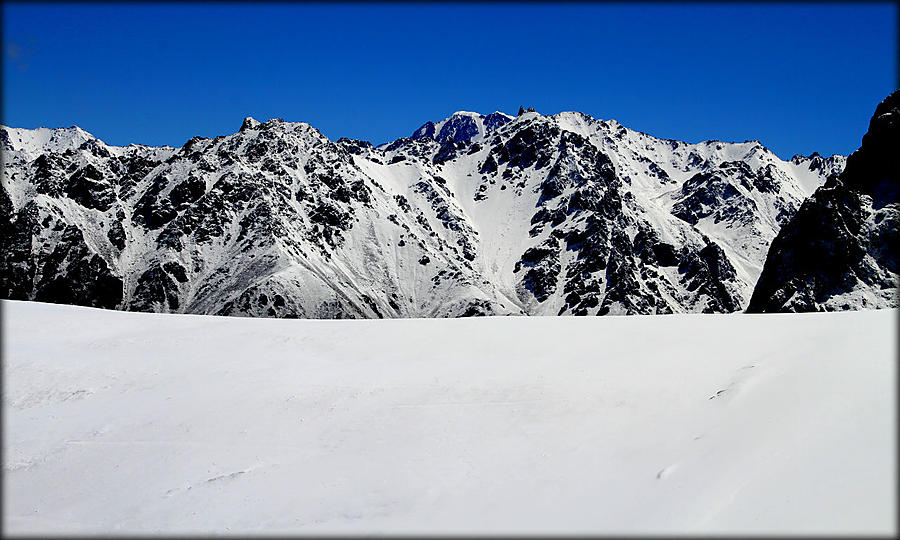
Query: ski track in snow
(143, 423)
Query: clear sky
(799, 78)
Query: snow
(32, 142)
(138, 423)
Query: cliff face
(840, 250)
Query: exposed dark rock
(706, 272)
(530, 146)
(543, 269)
(88, 188)
(155, 291)
(846, 236)
(446, 153)
(494, 121)
(710, 194)
(489, 166)
(95, 147)
(478, 308)
(116, 235)
(427, 130)
(176, 270)
(354, 146)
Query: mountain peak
(249, 123)
(34, 141)
(462, 126)
(466, 113)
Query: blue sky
(799, 78)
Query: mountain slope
(840, 251)
(473, 215)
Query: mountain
(840, 251)
(462, 126)
(473, 215)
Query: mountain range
(475, 214)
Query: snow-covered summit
(31, 142)
(462, 126)
(249, 123)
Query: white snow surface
(122, 422)
(33, 142)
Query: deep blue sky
(798, 78)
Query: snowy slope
(30, 143)
(540, 179)
(140, 423)
(473, 215)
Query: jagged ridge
(473, 215)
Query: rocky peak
(249, 123)
(495, 120)
(840, 250)
(462, 126)
(875, 165)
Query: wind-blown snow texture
(128, 423)
(472, 215)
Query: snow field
(136, 423)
